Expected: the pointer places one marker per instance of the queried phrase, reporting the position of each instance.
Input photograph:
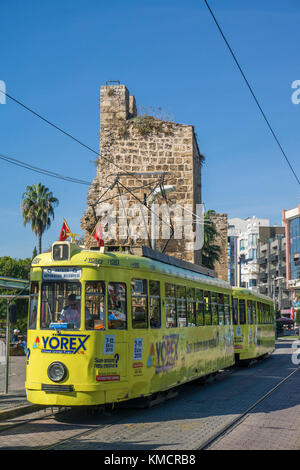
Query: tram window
(190, 293)
(207, 307)
(95, 305)
(191, 307)
(117, 308)
(170, 304)
(249, 311)
(227, 309)
(214, 308)
(268, 313)
(170, 290)
(271, 314)
(242, 309)
(199, 295)
(139, 303)
(199, 314)
(61, 302)
(154, 298)
(235, 311)
(263, 313)
(191, 312)
(199, 308)
(181, 306)
(254, 312)
(33, 305)
(221, 309)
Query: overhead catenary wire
(252, 93)
(42, 171)
(67, 178)
(55, 126)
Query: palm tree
(37, 208)
(210, 251)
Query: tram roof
(243, 290)
(80, 256)
(92, 258)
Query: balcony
(274, 258)
(262, 276)
(262, 260)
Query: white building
(243, 250)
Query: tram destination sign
(54, 274)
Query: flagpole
(92, 233)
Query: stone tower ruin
(139, 156)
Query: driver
(71, 313)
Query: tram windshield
(60, 305)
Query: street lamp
(157, 192)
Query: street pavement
(14, 402)
(189, 420)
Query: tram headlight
(57, 371)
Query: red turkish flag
(65, 232)
(98, 235)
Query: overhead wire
(252, 92)
(55, 126)
(42, 171)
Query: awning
(11, 283)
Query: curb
(19, 411)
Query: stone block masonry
(138, 151)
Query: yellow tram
(105, 327)
(254, 324)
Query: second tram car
(253, 320)
(105, 327)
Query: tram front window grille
(95, 305)
(117, 305)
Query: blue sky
(56, 55)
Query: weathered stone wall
(142, 144)
(221, 223)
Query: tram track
(67, 429)
(239, 419)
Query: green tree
(38, 209)
(210, 251)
